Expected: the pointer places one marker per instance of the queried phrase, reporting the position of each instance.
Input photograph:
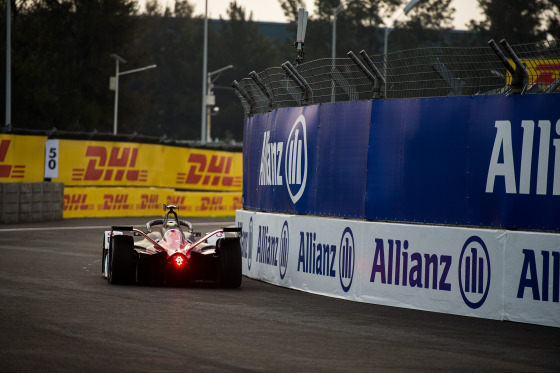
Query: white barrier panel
(441, 269)
(532, 278)
(463, 271)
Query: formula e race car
(173, 255)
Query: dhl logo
(216, 204)
(148, 202)
(116, 165)
(176, 200)
(541, 72)
(9, 170)
(115, 202)
(76, 202)
(212, 204)
(213, 172)
(237, 203)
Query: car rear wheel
(229, 250)
(122, 262)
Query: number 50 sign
(51, 158)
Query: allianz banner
(309, 160)
(94, 163)
(486, 273)
(484, 161)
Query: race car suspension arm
(157, 245)
(223, 229)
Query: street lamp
(408, 7)
(211, 98)
(115, 83)
(336, 12)
(8, 64)
(204, 77)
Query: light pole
(8, 64)
(336, 12)
(119, 59)
(408, 7)
(210, 98)
(204, 77)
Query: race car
(172, 255)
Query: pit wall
(107, 179)
(435, 170)
(494, 274)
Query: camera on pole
(301, 27)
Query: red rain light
(179, 260)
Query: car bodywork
(172, 255)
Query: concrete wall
(31, 202)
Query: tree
(241, 44)
(290, 8)
(426, 25)
(61, 63)
(362, 23)
(518, 21)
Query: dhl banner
(542, 72)
(82, 202)
(22, 158)
(94, 163)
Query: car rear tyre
(122, 263)
(229, 250)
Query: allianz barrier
(489, 161)
(494, 274)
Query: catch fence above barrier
(427, 72)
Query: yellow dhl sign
(541, 72)
(82, 202)
(22, 158)
(94, 163)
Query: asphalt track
(57, 314)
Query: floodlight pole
(408, 7)
(119, 59)
(8, 64)
(204, 77)
(211, 99)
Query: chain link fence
(498, 69)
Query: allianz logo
(286, 161)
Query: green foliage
(518, 21)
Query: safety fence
(419, 73)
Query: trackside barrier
(489, 161)
(129, 201)
(31, 202)
(494, 274)
(98, 163)
(102, 179)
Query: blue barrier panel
(485, 161)
(417, 160)
(280, 155)
(342, 159)
(309, 160)
(514, 159)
